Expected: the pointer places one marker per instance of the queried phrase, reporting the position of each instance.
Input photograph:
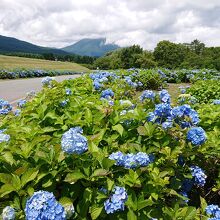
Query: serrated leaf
(119, 128)
(95, 212)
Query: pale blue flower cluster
(162, 74)
(21, 103)
(107, 94)
(198, 175)
(69, 91)
(101, 77)
(74, 142)
(130, 82)
(147, 94)
(5, 107)
(165, 96)
(43, 205)
(131, 161)
(196, 136)
(4, 137)
(116, 201)
(216, 102)
(47, 80)
(8, 213)
(213, 210)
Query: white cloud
(59, 23)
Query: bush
(206, 91)
(158, 183)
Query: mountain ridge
(95, 47)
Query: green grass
(174, 91)
(11, 63)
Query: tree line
(166, 54)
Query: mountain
(91, 47)
(11, 45)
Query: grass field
(11, 63)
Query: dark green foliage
(169, 54)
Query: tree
(169, 54)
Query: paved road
(13, 90)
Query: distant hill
(11, 45)
(91, 47)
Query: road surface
(13, 90)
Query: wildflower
(64, 102)
(74, 142)
(8, 213)
(43, 205)
(196, 135)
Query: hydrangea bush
(87, 160)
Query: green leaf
(5, 178)
(6, 189)
(131, 215)
(95, 212)
(28, 176)
(119, 128)
(74, 177)
(100, 172)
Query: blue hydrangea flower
(199, 175)
(8, 213)
(116, 201)
(17, 112)
(213, 210)
(131, 160)
(196, 135)
(47, 80)
(185, 195)
(4, 137)
(216, 102)
(21, 103)
(147, 94)
(69, 91)
(97, 85)
(107, 94)
(164, 96)
(74, 142)
(118, 157)
(5, 107)
(183, 112)
(142, 159)
(167, 124)
(43, 205)
(64, 102)
(103, 190)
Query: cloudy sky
(58, 23)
